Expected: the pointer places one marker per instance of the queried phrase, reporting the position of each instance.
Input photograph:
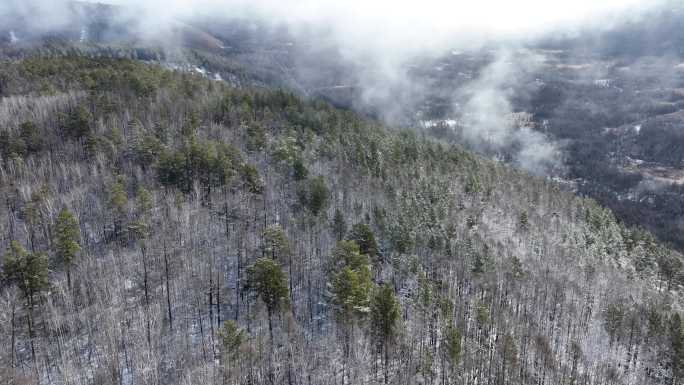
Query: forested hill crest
(159, 227)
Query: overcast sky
(483, 16)
(402, 25)
(426, 24)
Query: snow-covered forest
(158, 227)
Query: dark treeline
(161, 228)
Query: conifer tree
(67, 236)
(315, 196)
(481, 261)
(339, 225)
(34, 214)
(351, 279)
(268, 281)
(614, 314)
(677, 343)
(299, 170)
(351, 287)
(118, 200)
(363, 236)
(231, 339)
(275, 244)
(452, 346)
(76, 123)
(29, 272)
(384, 319)
(509, 356)
(251, 179)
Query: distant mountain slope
(655, 32)
(162, 227)
(96, 23)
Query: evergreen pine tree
(339, 225)
(67, 236)
(267, 279)
(363, 236)
(384, 320)
(677, 343)
(29, 272)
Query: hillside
(161, 227)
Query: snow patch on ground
(451, 123)
(603, 83)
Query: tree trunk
(386, 347)
(272, 349)
(29, 299)
(201, 325)
(218, 298)
(68, 271)
(168, 288)
(147, 295)
(211, 304)
(13, 334)
(270, 324)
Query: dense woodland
(158, 227)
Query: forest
(159, 227)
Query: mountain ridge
(193, 200)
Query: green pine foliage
(364, 238)
(385, 313)
(67, 237)
(269, 282)
(339, 225)
(452, 345)
(29, 271)
(314, 195)
(676, 331)
(275, 244)
(351, 278)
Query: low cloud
(378, 39)
(489, 123)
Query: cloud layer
(379, 37)
(408, 26)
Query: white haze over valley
(419, 25)
(381, 37)
(395, 29)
